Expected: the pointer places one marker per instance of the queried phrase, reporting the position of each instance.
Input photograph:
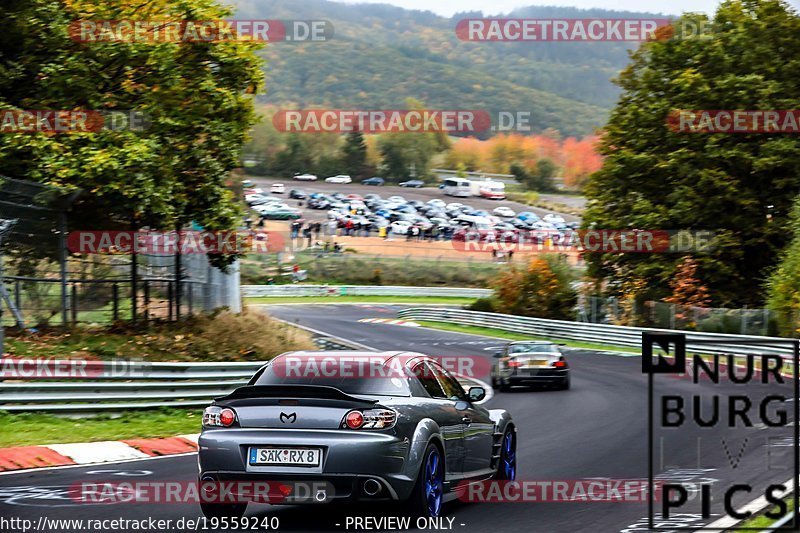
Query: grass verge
(446, 300)
(762, 521)
(31, 429)
(219, 337)
(492, 332)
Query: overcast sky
(491, 7)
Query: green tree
(741, 186)
(354, 156)
(197, 97)
(539, 178)
(783, 285)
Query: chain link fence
(664, 315)
(44, 285)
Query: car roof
(544, 343)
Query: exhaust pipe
(372, 487)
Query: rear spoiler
(292, 391)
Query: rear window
(532, 348)
(369, 386)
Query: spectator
(317, 230)
(382, 233)
(348, 227)
(296, 229)
(356, 228)
(333, 227)
(307, 235)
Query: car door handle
(467, 420)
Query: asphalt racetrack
(596, 430)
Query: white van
(458, 187)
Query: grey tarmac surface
(596, 430)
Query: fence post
(115, 296)
(169, 300)
(62, 259)
(74, 306)
(146, 301)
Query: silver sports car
(402, 430)
(530, 363)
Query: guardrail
(622, 336)
(298, 290)
(119, 386)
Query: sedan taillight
(560, 364)
(370, 419)
(218, 417)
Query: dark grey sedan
(391, 426)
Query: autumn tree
(543, 289)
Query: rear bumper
(348, 459)
(532, 378)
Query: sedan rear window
(378, 386)
(532, 348)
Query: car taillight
(370, 419)
(560, 364)
(514, 364)
(218, 417)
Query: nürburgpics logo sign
(733, 416)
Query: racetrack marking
(72, 466)
(390, 321)
(86, 453)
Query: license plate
(537, 363)
(285, 456)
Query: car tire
(507, 466)
(565, 385)
(223, 510)
(427, 496)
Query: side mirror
(477, 394)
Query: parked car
(319, 203)
(298, 194)
(400, 227)
(277, 212)
(305, 177)
(530, 363)
(441, 204)
(255, 199)
(356, 197)
(277, 188)
(504, 211)
(553, 218)
(413, 184)
(527, 216)
(342, 178)
(400, 437)
(376, 181)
